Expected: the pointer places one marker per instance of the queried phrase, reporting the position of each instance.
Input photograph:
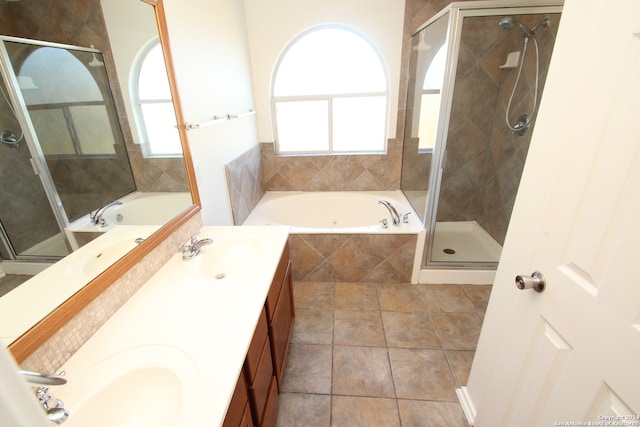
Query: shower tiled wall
(484, 159)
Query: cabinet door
(270, 417)
(237, 407)
(281, 326)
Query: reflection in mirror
(82, 167)
(427, 70)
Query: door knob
(535, 281)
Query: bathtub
(338, 236)
(333, 212)
(137, 209)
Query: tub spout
(96, 217)
(394, 214)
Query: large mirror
(106, 55)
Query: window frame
(137, 104)
(329, 97)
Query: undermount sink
(230, 256)
(152, 385)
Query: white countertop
(212, 321)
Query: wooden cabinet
(280, 314)
(239, 413)
(261, 378)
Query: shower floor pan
(463, 241)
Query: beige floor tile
(409, 329)
(419, 413)
(448, 298)
(312, 327)
(308, 369)
(460, 362)
(362, 371)
(349, 411)
(314, 295)
(400, 297)
(304, 410)
(358, 328)
(478, 295)
(457, 331)
(421, 374)
(356, 296)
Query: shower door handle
(536, 282)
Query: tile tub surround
(353, 257)
(357, 348)
(64, 343)
(244, 183)
(361, 172)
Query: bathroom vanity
(202, 343)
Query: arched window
(330, 94)
(155, 116)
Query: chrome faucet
(53, 407)
(192, 248)
(96, 217)
(394, 214)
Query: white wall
(131, 25)
(210, 54)
(273, 24)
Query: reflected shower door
(28, 226)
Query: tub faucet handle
(405, 217)
(384, 222)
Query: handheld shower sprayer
(509, 22)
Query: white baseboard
(467, 405)
(452, 276)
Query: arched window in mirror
(153, 106)
(330, 94)
(430, 102)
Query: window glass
(155, 115)
(330, 94)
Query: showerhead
(508, 22)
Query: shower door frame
(38, 159)
(457, 12)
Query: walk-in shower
(477, 72)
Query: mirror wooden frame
(29, 342)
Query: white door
(571, 354)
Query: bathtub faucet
(394, 214)
(96, 217)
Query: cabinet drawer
(236, 411)
(276, 284)
(270, 416)
(255, 349)
(259, 388)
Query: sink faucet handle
(194, 238)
